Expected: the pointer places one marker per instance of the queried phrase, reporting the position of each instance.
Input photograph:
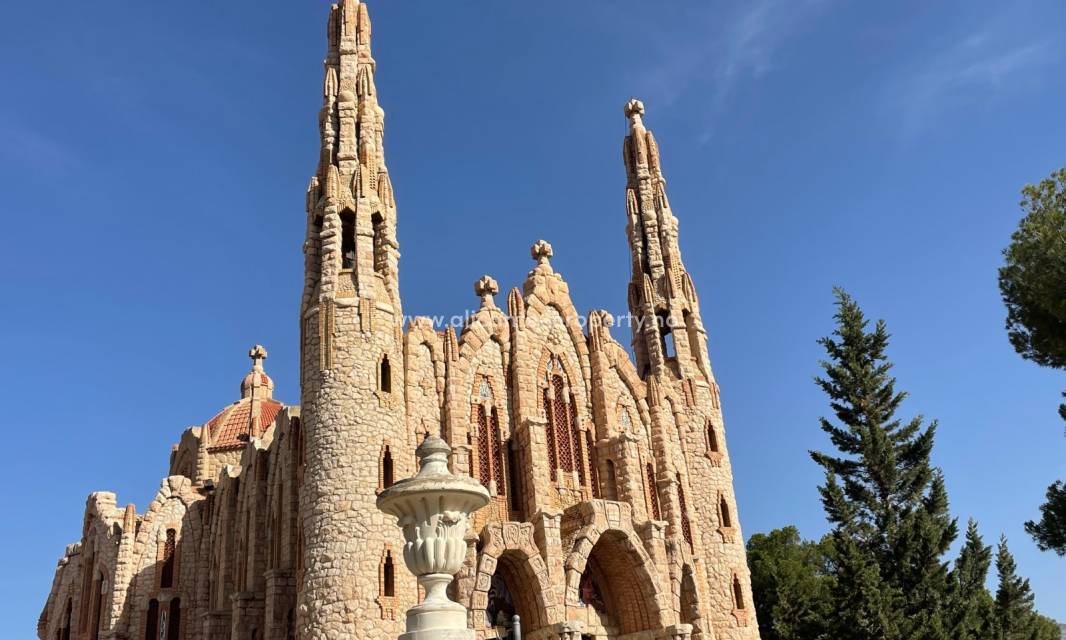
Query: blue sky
(154, 156)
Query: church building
(612, 512)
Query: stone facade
(612, 510)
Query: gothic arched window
(166, 575)
(725, 519)
(495, 440)
(553, 457)
(652, 492)
(560, 419)
(484, 448)
(686, 527)
(63, 633)
(151, 625)
(174, 620)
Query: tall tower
(351, 358)
(669, 333)
(670, 344)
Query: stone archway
(512, 577)
(615, 581)
(610, 578)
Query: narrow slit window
(347, 240)
(611, 488)
(386, 375)
(666, 334)
(723, 507)
(712, 438)
(738, 593)
(386, 468)
(512, 476)
(388, 576)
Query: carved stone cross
(257, 353)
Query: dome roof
(257, 383)
(248, 417)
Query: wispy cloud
(977, 68)
(726, 46)
(34, 151)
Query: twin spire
(352, 248)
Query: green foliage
(1044, 628)
(879, 574)
(970, 606)
(1033, 280)
(1050, 531)
(887, 504)
(1014, 615)
(1033, 285)
(789, 584)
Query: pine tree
(969, 603)
(1050, 531)
(1015, 618)
(886, 502)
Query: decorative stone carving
(485, 288)
(542, 253)
(433, 509)
(634, 108)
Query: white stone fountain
(433, 509)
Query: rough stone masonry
(612, 513)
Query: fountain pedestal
(433, 509)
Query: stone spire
(668, 331)
(351, 248)
(352, 379)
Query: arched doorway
(512, 574)
(512, 591)
(616, 593)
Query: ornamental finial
(634, 110)
(485, 288)
(541, 252)
(257, 353)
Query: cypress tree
(887, 504)
(1015, 618)
(970, 604)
